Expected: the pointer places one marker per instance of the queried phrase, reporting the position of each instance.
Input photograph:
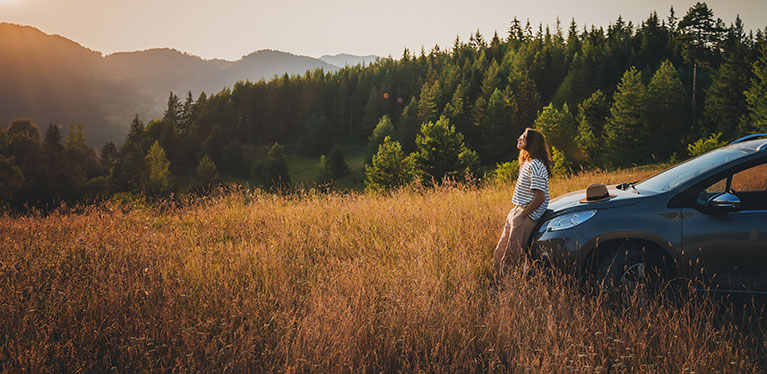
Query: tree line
(605, 97)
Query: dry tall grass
(249, 282)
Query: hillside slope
(52, 79)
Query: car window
(717, 187)
(690, 169)
(749, 185)
(752, 179)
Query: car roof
(754, 145)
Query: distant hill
(52, 79)
(344, 59)
(267, 63)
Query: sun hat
(595, 193)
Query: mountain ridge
(52, 79)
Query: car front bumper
(562, 249)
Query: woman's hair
(536, 149)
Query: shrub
(506, 172)
(704, 145)
(333, 165)
(559, 166)
(206, 175)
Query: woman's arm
(537, 201)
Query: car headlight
(568, 220)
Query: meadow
(245, 281)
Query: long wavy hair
(536, 149)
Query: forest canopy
(605, 97)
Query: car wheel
(631, 268)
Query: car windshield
(689, 169)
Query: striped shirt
(532, 176)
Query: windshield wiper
(625, 186)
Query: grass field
(340, 282)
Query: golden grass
(250, 282)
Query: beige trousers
(513, 240)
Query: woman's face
(522, 141)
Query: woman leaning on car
(530, 199)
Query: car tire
(631, 268)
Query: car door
(731, 244)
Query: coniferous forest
(663, 90)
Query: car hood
(571, 201)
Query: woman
(530, 199)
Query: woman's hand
(537, 201)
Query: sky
(230, 29)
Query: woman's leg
(501, 247)
(516, 232)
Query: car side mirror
(724, 202)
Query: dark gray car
(704, 220)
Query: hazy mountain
(162, 69)
(343, 59)
(268, 63)
(51, 79)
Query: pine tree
(52, 144)
(137, 134)
(624, 132)
(478, 111)
(333, 166)
(25, 148)
(76, 137)
(158, 180)
(174, 109)
(725, 106)
(498, 130)
(516, 34)
(383, 129)
(63, 179)
(441, 153)
(108, 157)
(129, 172)
(11, 179)
(455, 110)
(277, 167)
(427, 104)
(576, 86)
(409, 125)
(560, 129)
(528, 102)
(53, 163)
(492, 80)
(756, 95)
(592, 116)
(79, 154)
(663, 112)
(699, 34)
(560, 165)
(390, 168)
(187, 114)
(206, 175)
(372, 110)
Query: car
(703, 220)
